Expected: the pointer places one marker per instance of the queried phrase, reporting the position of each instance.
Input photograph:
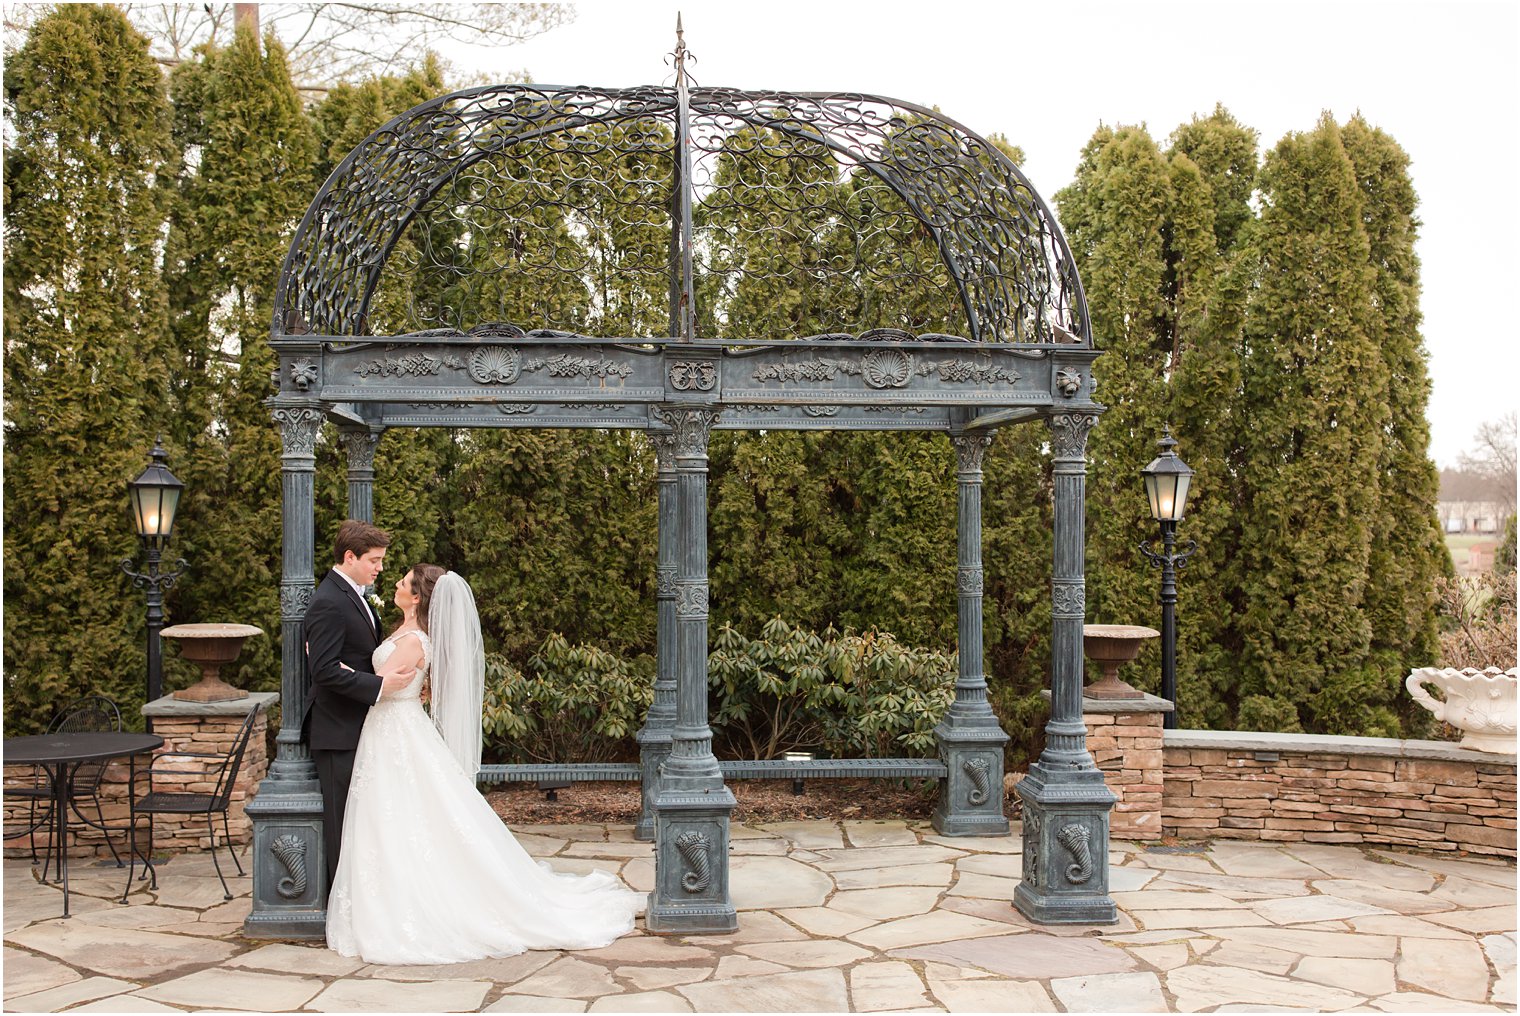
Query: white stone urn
(1480, 703)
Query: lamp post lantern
(155, 499)
(1167, 480)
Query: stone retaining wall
(1319, 789)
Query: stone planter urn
(1111, 646)
(210, 645)
(1480, 703)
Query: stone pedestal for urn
(1480, 703)
(211, 646)
(1111, 646)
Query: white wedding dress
(430, 874)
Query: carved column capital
(664, 442)
(360, 445)
(970, 449)
(1068, 434)
(298, 428)
(690, 427)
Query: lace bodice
(383, 652)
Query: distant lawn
(1460, 543)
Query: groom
(342, 631)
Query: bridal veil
(459, 669)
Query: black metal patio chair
(91, 713)
(219, 768)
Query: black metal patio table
(62, 754)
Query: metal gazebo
(694, 259)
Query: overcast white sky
(1441, 77)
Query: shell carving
(694, 847)
(887, 368)
(495, 365)
(291, 851)
(1075, 838)
(980, 774)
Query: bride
(429, 874)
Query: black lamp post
(155, 498)
(1167, 479)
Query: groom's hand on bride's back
(393, 683)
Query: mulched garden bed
(758, 801)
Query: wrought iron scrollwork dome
(472, 206)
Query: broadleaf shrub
(839, 694)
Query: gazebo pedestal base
(1065, 847)
(289, 869)
(691, 864)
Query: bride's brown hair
(424, 577)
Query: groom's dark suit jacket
(340, 629)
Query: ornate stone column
(655, 736)
(969, 737)
(1066, 804)
(692, 804)
(361, 445)
(289, 899)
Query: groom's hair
(358, 537)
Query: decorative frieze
(495, 365)
(969, 581)
(691, 600)
(1068, 382)
(693, 375)
(886, 369)
(1068, 599)
(409, 365)
(294, 599)
(565, 365)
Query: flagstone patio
(838, 917)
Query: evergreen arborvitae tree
(1224, 150)
(1315, 410)
(1207, 302)
(238, 205)
(86, 353)
(1115, 214)
(1408, 553)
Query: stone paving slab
(879, 833)
(401, 996)
(1137, 992)
(121, 952)
(793, 991)
(26, 973)
(641, 1001)
(125, 1003)
(235, 989)
(1232, 926)
(67, 995)
(535, 1003)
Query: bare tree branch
(326, 42)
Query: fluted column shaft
(1065, 734)
(361, 445)
(298, 430)
(655, 736)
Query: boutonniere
(376, 602)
